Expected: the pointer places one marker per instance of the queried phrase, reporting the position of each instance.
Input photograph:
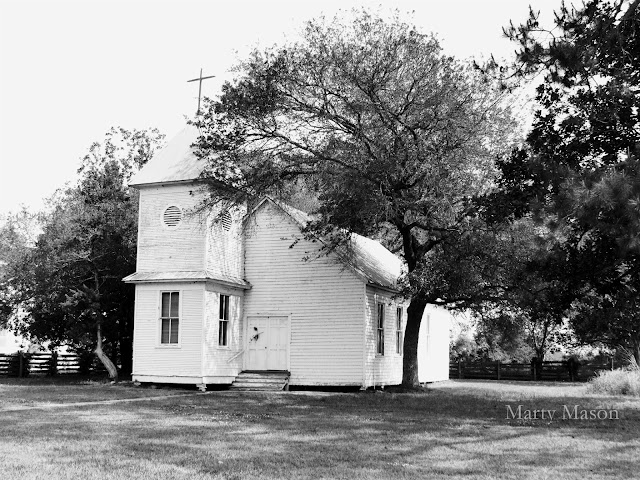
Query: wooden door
(267, 343)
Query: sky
(70, 70)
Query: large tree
(579, 172)
(391, 136)
(69, 285)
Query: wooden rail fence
(563, 371)
(23, 364)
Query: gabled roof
(176, 162)
(370, 260)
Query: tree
(578, 171)
(610, 320)
(71, 281)
(511, 275)
(587, 117)
(369, 113)
(17, 235)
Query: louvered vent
(225, 221)
(172, 216)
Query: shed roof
(176, 162)
(197, 275)
(369, 258)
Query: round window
(172, 216)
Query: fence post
(498, 365)
(459, 369)
(20, 365)
(534, 362)
(572, 368)
(53, 363)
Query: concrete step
(261, 381)
(242, 386)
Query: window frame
(380, 321)
(399, 330)
(224, 320)
(162, 318)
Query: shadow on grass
(447, 432)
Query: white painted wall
(433, 345)
(198, 243)
(324, 300)
(161, 248)
(224, 247)
(152, 358)
(382, 369)
(331, 342)
(219, 366)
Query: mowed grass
(20, 393)
(458, 429)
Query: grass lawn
(50, 391)
(455, 429)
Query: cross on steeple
(199, 79)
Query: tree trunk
(412, 330)
(108, 364)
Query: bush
(616, 382)
(85, 361)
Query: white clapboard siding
(323, 299)
(433, 345)
(152, 358)
(222, 362)
(382, 369)
(161, 248)
(224, 247)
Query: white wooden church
(216, 297)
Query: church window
(380, 329)
(170, 318)
(172, 216)
(223, 323)
(399, 336)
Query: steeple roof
(176, 162)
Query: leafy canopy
(372, 114)
(388, 136)
(578, 172)
(69, 284)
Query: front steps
(261, 381)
